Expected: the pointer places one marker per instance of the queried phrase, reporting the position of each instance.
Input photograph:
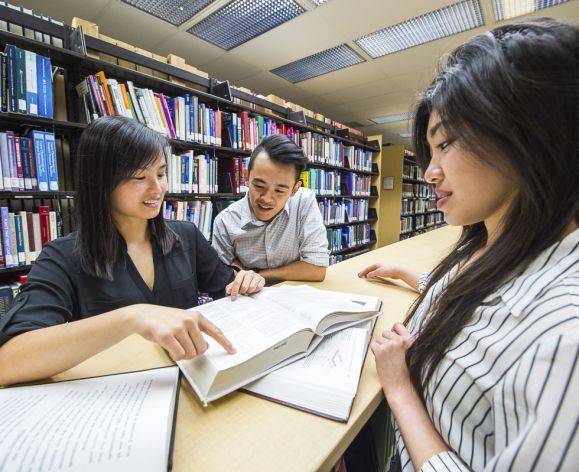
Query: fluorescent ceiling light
(241, 20)
(320, 63)
(406, 135)
(453, 19)
(175, 12)
(318, 2)
(392, 118)
(505, 9)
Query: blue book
(25, 154)
(8, 259)
(19, 241)
(44, 83)
(40, 157)
(51, 161)
(12, 79)
(187, 161)
(31, 83)
(21, 84)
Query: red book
(44, 213)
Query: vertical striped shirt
(505, 395)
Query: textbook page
(111, 423)
(253, 324)
(325, 382)
(314, 305)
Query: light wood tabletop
(243, 433)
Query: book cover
(19, 164)
(6, 241)
(30, 231)
(25, 157)
(12, 236)
(31, 83)
(102, 80)
(5, 299)
(40, 159)
(19, 241)
(21, 80)
(44, 215)
(12, 78)
(13, 169)
(51, 161)
(44, 84)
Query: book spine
(37, 233)
(4, 86)
(19, 240)
(53, 225)
(30, 234)
(44, 214)
(24, 151)
(51, 161)
(40, 157)
(21, 80)
(12, 236)
(19, 167)
(95, 92)
(31, 83)
(8, 259)
(44, 74)
(12, 161)
(32, 164)
(12, 78)
(4, 156)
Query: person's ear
(296, 187)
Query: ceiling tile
(65, 10)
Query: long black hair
(510, 97)
(111, 149)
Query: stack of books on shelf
(199, 212)
(28, 163)
(347, 237)
(418, 211)
(26, 83)
(182, 118)
(24, 233)
(343, 211)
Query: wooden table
(244, 433)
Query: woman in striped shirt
(487, 378)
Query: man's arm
(297, 270)
(221, 241)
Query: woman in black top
(124, 263)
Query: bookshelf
(353, 160)
(418, 213)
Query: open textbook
(325, 382)
(269, 330)
(112, 423)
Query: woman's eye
(444, 145)
(138, 178)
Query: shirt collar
(522, 289)
(247, 217)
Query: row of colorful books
(336, 183)
(187, 119)
(181, 118)
(417, 191)
(28, 163)
(199, 212)
(413, 223)
(190, 174)
(419, 205)
(24, 233)
(343, 211)
(327, 150)
(412, 171)
(26, 82)
(346, 237)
